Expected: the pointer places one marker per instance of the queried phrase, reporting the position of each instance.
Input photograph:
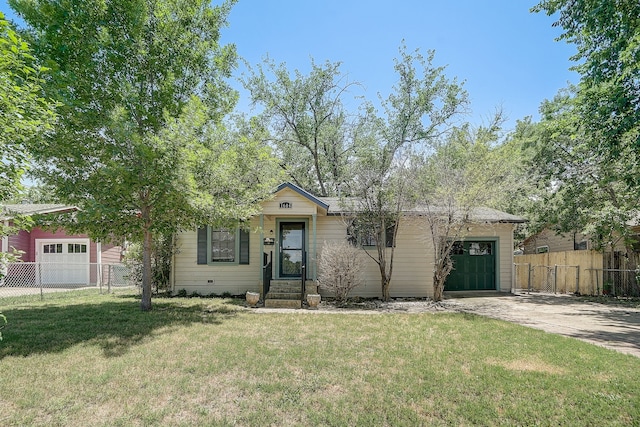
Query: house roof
(317, 200)
(9, 211)
(480, 214)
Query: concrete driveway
(613, 326)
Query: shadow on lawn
(115, 325)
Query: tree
(607, 38)
(586, 188)
(141, 147)
(25, 114)
(419, 110)
(467, 171)
(312, 132)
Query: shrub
(340, 269)
(162, 253)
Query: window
(363, 234)
(542, 249)
(480, 248)
(457, 248)
(223, 245)
(54, 248)
(75, 248)
(580, 246)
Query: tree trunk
(385, 290)
(438, 287)
(145, 303)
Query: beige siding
(215, 279)
(412, 264)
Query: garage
(474, 266)
(63, 261)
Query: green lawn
(97, 360)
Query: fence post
(109, 282)
(577, 280)
(39, 276)
(555, 278)
(529, 277)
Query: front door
(292, 244)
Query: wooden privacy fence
(561, 272)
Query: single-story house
(548, 240)
(290, 233)
(67, 257)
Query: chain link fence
(24, 278)
(616, 282)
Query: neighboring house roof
(9, 211)
(337, 206)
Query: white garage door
(63, 261)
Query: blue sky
(507, 56)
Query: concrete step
(285, 289)
(282, 303)
(285, 282)
(283, 295)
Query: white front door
(63, 261)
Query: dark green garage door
(474, 267)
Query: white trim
(5, 239)
(541, 249)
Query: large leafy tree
(314, 135)
(420, 109)
(585, 187)
(140, 144)
(24, 112)
(607, 37)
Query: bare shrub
(341, 266)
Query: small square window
(457, 248)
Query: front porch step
(284, 295)
(285, 289)
(291, 286)
(282, 303)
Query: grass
(97, 360)
(632, 302)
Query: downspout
(314, 247)
(172, 276)
(262, 263)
